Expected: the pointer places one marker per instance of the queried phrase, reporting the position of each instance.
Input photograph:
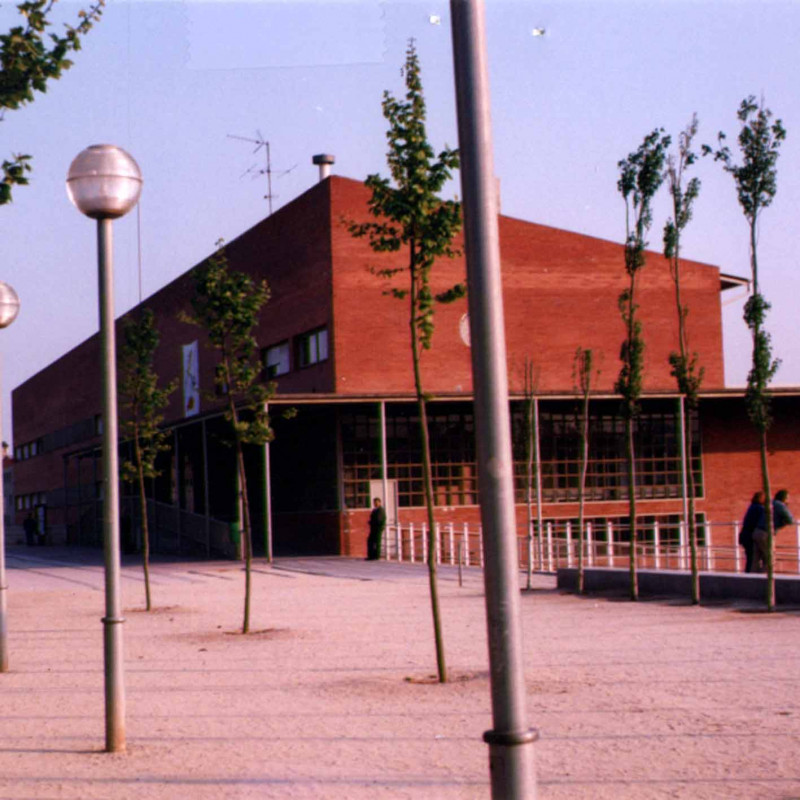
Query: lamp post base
(511, 765)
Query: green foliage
(29, 59)
(413, 219)
(641, 175)
(756, 179)
(759, 143)
(141, 399)
(227, 304)
(410, 212)
(763, 367)
(684, 365)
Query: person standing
(780, 510)
(755, 517)
(377, 522)
(781, 517)
(30, 528)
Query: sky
(174, 82)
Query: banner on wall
(191, 383)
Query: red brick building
(338, 348)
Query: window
(657, 443)
(276, 360)
(452, 442)
(27, 502)
(312, 347)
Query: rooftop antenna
(260, 142)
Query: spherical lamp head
(104, 182)
(9, 305)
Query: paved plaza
(331, 696)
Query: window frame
(304, 356)
(283, 347)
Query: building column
(267, 499)
(384, 457)
(203, 434)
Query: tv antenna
(260, 142)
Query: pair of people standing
(753, 536)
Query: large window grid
(452, 435)
(656, 440)
(453, 458)
(361, 461)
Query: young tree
(414, 219)
(227, 305)
(143, 401)
(759, 141)
(533, 475)
(28, 61)
(584, 372)
(641, 174)
(685, 367)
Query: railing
(603, 546)
(174, 530)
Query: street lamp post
(9, 308)
(510, 741)
(104, 182)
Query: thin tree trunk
(529, 480)
(763, 436)
(631, 453)
(634, 580)
(427, 481)
(247, 543)
(770, 524)
(145, 525)
(530, 454)
(686, 434)
(537, 473)
(582, 489)
(691, 522)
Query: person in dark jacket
(781, 517)
(377, 522)
(30, 528)
(755, 517)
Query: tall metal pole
(112, 638)
(510, 751)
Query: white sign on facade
(191, 382)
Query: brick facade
(560, 292)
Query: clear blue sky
(169, 81)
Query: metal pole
(112, 622)
(3, 583)
(510, 752)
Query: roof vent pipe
(323, 161)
